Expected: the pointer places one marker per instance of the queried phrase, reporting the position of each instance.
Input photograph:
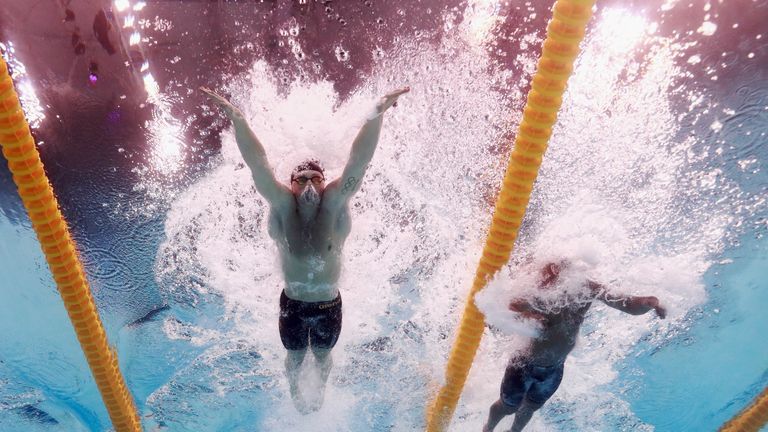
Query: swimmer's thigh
(513, 386)
(326, 327)
(294, 330)
(543, 387)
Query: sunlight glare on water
(29, 100)
(165, 137)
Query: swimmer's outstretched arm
(253, 153)
(362, 150)
(526, 310)
(634, 305)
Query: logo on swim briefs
(329, 304)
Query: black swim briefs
(302, 323)
(534, 383)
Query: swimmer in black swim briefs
(309, 220)
(527, 385)
(309, 323)
(534, 383)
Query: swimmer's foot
(317, 403)
(298, 401)
(302, 406)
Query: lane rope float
(19, 149)
(560, 49)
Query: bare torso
(310, 254)
(558, 336)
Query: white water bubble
(342, 55)
(707, 28)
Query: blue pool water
(726, 369)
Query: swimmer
(534, 375)
(310, 221)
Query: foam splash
(595, 251)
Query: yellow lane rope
(752, 418)
(561, 46)
(60, 253)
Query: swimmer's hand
(661, 311)
(652, 302)
(390, 99)
(228, 108)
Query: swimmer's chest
(324, 236)
(568, 318)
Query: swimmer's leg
(323, 336)
(545, 384)
(293, 361)
(523, 415)
(294, 334)
(324, 361)
(498, 411)
(511, 393)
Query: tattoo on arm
(349, 185)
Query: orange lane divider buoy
(752, 418)
(560, 48)
(60, 253)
